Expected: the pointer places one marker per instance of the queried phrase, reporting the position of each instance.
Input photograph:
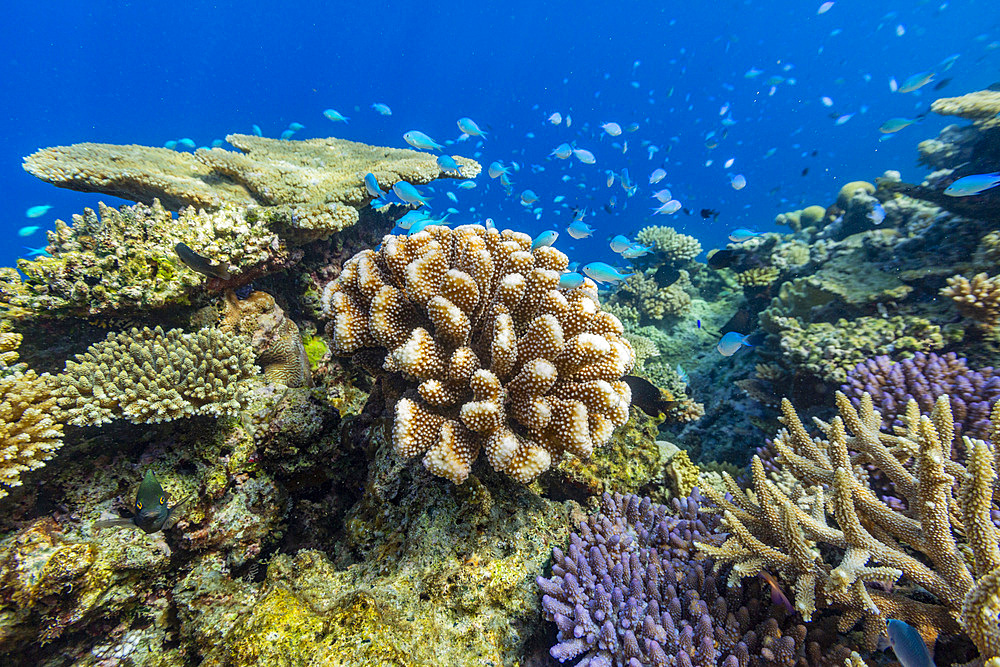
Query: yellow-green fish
(918, 80)
(895, 125)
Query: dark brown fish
(720, 259)
(648, 397)
(202, 265)
(666, 275)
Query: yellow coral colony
(501, 357)
(946, 544)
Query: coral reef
(30, 430)
(982, 106)
(923, 378)
(124, 260)
(851, 190)
(505, 342)
(148, 376)
(676, 247)
(978, 299)
(653, 301)
(948, 545)
(629, 592)
(758, 276)
(316, 186)
(274, 337)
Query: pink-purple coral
(630, 593)
(924, 378)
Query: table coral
(981, 106)
(124, 259)
(922, 378)
(274, 337)
(977, 299)
(676, 246)
(513, 364)
(628, 591)
(152, 376)
(316, 185)
(839, 546)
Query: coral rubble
(500, 357)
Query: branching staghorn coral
(502, 359)
(153, 376)
(758, 276)
(977, 299)
(840, 546)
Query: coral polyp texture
(29, 431)
(629, 591)
(316, 185)
(923, 378)
(124, 259)
(148, 375)
(837, 545)
(978, 298)
(676, 246)
(501, 358)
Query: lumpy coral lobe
(500, 358)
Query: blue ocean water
(147, 73)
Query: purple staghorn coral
(924, 378)
(629, 593)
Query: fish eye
(138, 504)
(162, 499)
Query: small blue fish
(295, 127)
(742, 234)
(604, 273)
(916, 81)
(172, 144)
(562, 151)
(467, 185)
(24, 232)
(380, 204)
(698, 322)
(547, 237)
(877, 214)
(682, 374)
(418, 139)
(657, 176)
(620, 244)
(447, 163)
(217, 143)
(382, 109)
(731, 342)
(37, 252)
(497, 169)
(969, 185)
(579, 229)
(37, 211)
(256, 130)
(335, 116)
(409, 194)
(895, 125)
(570, 280)
(528, 197)
(908, 645)
(637, 250)
(469, 126)
(372, 186)
(287, 134)
(187, 143)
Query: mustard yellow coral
(501, 358)
(758, 276)
(150, 375)
(978, 299)
(29, 432)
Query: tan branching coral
(653, 301)
(503, 360)
(676, 246)
(154, 376)
(124, 259)
(761, 276)
(977, 299)
(839, 545)
(274, 337)
(29, 431)
(316, 185)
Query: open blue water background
(148, 72)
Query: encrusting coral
(839, 546)
(977, 299)
(501, 357)
(316, 185)
(274, 337)
(30, 433)
(152, 376)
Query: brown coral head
(498, 357)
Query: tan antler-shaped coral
(501, 359)
(946, 543)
